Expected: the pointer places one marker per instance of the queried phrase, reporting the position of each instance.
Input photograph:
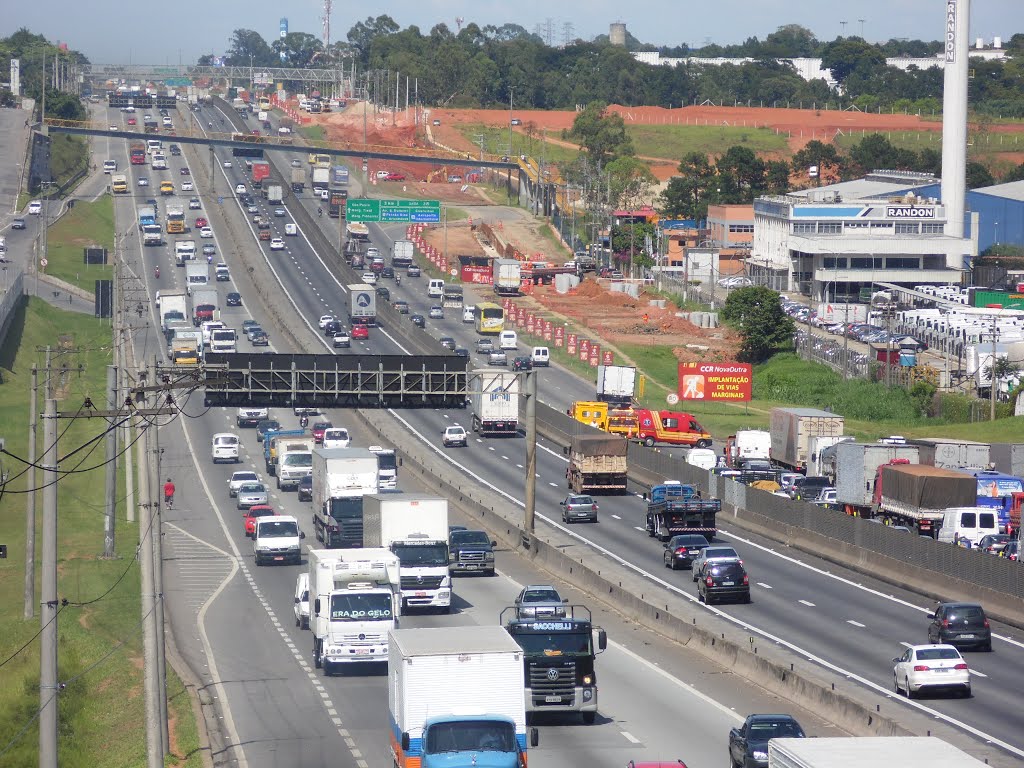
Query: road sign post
(374, 211)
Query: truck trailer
(917, 495)
(868, 752)
(853, 468)
(953, 453)
(495, 403)
(455, 695)
(362, 304)
(597, 464)
(792, 429)
(342, 479)
(415, 528)
(674, 508)
(402, 252)
(506, 275)
(616, 384)
(353, 605)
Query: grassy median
(86, 225)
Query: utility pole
(158, 586)
(992, 374)
(30, 502)
(49, 605)
(151, 682)
(110, 505)
(531, 450)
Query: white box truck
(868, 752)
(294, 461)
(455, 696)
(321, 178)
(342, 477)
(415, 528)
(401, 253)
(362, 304)
(616, 384)
(495, 403)
(172, 306)
(506, 274)
(353, 605)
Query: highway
(840, 617)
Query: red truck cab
(671, 428)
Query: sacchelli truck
(494, 402)
(342, 479)
(455, 698)
(558, 659)
(415, 528)
(597, 464)
(353, 605)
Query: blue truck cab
(483, 741)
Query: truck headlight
(488, 555)
(588, 679)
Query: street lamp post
(510, 90)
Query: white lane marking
(855, 623)
(553, 485)
(630, 737)
(616, 517)
(638, 528)
(976, 673)
(812, 657)
(808, 603)
(762, 584)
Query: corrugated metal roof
(445, 641)
(855, 189)
(1012, 190)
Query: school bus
(490, 318)
(119, 184)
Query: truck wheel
(316, 655)
(649, 442)
(703, 443)
(589, 717)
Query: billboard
(715, 382)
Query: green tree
(688, 194)
(847, 56)
(630, 182)
(601, 134)
(825, 156)
(756, 314)
(741, 175)
(248, 47)
(364, 33)
(298, 49)
(978, 175)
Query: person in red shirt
(168, 492)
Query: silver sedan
(251, 494)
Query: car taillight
(985, 623)
(921, 668)
(681, 551)
(710, 581)
(593, 507)
(746, 580)
(945, 623)
(960, 666)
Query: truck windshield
(360, 606)
(386, 461)
(554, 643)
(299, 460)
(347, 508)
(470, 537)
(470, 736)
(278, 530)
(416, 555)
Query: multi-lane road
(233, 622)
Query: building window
(932, 228)
(902, 262)
(905, 228)
(855, 225)
(834, 262)
(741, 228)
(865, 262)
(830, 228)
(881, 225)
(804, 228)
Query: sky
(124, 31)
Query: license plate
(553, 699)
(420, 594)
(471, 567)
(362, 651)
(728, 583)
(279, 557)
(694, 551)
(941, 669)
(966, 637)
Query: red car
(359, 331)
(318, 431)
(395, 177)
(201, 222)
(132, 121)
(254, 513)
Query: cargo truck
(298, 179)
(147, 216)
(387, 467)
(152, 235)
(205, 306)
(342, 479)
(953, 453)
(747, 444)
(274, 194)
(171, 306)
(455, 697)
(353, 605)
(321, 178)
(451, 297)
(792, 429)
(506, 275)
(616, 385)
(260, 171)
(670, 428)
(868, 752)
(674, 508)
(853, 468)
(597, 464)
(197, 276)
(362, 304)
(494, 401)
(339, 176)
(294, 461)
(415, 528)
(558, 659)
(402, 252)
(270, 447)
(917, 495)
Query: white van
(701, 457)
(541, 356)
(223, 340)
(435, 289)
(184, 250)
(508, 340)
(154, 145)
(469, 314)
(301, 608)
(963, 525)
(110, 166)
(290, 229)
(224, 447)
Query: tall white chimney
(954, 115)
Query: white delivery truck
(455, 696)
(868, 752)
(321, 178)
(362, 304)
(415, 528)
(401, 253)
(616, 384)
(342, 478)
(353, 605)
(495, 403)
(172, 306)
(197, 275)
(506, 275)
(294, 461)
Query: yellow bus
(119, 184)
(264, 103)
(175, 221)
(490, 318)
(319, 160)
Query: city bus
(264, 103)
(319, 160)
(490, 318)
(175, 221)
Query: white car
(336, 437)
(240, 189)
(325, 319)
(35, 208)
(227, 163)
(194, 204)
(454, 435)
(277, 244)
(325, 194)
(238, 479)
(382, 174)
(187, 186)
(296, 163)
(369, 278)
(206, 232)
(143, 181)
(931, 667)
(114, 127)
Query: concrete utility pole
(992, 374)
(151, 682)
(49, 605)
(158, 586)
(531, 450)
(30, 502)
(110, 505)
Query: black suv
(682, 550)
(963, 625)
(305, 488)
(808, 488)
(470, 552)
(723, 581)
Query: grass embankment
(101, 720)
(85, 225)
(68, 155)
(313, 132)
(674, 141)
(495, 142)
(981, 146)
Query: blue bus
(996, 489)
